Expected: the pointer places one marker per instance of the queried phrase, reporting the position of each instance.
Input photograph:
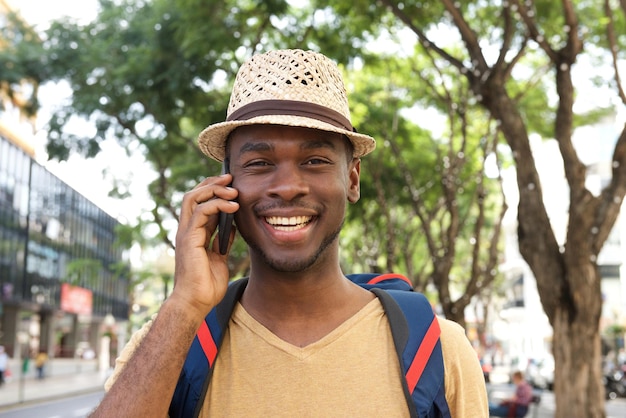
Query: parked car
(540, 372)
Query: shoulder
(455, 344)
(451, 328)
(465, 385)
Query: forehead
(270, 137)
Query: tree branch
(535, 35)
(613, 195)
(509, 31)
(468, 35)
(424, 40)
(575, 170)
(613, 48)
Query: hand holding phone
(225, 222)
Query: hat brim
(212, 140)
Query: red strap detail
(423, 354)
(387, 276)
(207, 343)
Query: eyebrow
(264, 146)
(255, 146)
(321, 143)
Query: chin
(289, 265)
(285, 262)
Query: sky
(86, 176)
(39, 12)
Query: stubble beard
(293, 265)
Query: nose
(288, 182)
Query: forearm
(145, 386)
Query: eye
(316, 161)
(256, 163)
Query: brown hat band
(292, 108)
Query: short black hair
(349, 147)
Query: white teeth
(292, 223)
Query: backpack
(414, 328)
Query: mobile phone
(225, 223)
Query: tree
(165, 65)
(83, 271)
(436, 214)
(141, 74)
(509, 48)
(20, 48)
(151, 75)
(141, 79)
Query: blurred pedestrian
(4, 364)
(40, 363)
(517, 405)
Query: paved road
(78, 406)
(70, 378)
(64, 377)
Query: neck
(302, 292)
(303, 307)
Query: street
(79, 406)
(614, 409)
(71, 407)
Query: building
(64, 284)
(60, 274)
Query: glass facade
(14, 200)
(51, 234)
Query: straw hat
(287, 87)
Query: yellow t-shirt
(353, 371)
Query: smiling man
(293, 186)
(298, 337)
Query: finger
(201, 194)
(210, 188)
(205, 213)
(223, 179)
(196, 228)
(205, 218)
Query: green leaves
(151, 75)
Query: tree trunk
(570, 292)
(568, 279)
(577, 354)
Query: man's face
(293, 186)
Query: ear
(354, 180)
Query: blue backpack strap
(371, 281)
(193, 382)
(416, 332)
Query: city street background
(64, 377)
(72, 388)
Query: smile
(292, 223)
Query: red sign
(76, 299)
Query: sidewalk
(63, 377)
(500, 387)
(67, 377)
